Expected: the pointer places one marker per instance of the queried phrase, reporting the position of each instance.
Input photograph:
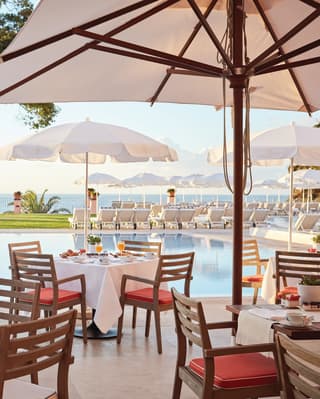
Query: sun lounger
(185, 218)
(116, 204)
(167, 218)
(141, 218)
(156, 210)
(77, 219)
(306, 221)
(215, 217)
(105, 218)
(259, 217)
(127, 204)
(124, 218)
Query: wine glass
(121, 246)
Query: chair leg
(177, 386)
(84, 322)
(255, 296)
(120, 324)
(148, 320)
(158, 330)
(134, 317)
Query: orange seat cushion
(46, 296)
(146, 295)
(253, 279)
(238, 371)
(287, 290)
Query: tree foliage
(13, 15)
(30, 203)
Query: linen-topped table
(103, 283)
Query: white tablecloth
(103, 284)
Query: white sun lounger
(141, 218)
(306, 221)
(77, 219)
(124, 218)
(105, 218)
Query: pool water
(212, 272)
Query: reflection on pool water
(212, 271)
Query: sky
(190, 129)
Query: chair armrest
(222, 324)
(126, 277)
(264, 260)
(140, 279)
(234, 350)
(80, 277)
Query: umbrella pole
(237, 84)
(85, 243)
(290, 205)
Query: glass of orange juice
(121, 246)
(99, 247)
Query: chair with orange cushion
(251, 257)
(233, 372)
(28, 246)
(294, 265)
(41, 268)
(170, 268)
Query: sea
(70, 201)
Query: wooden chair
(299, 369)
(170, 268)
(251, 257)
(291, 264)
(33, 346)
(28, 246)
(235, 372)
(40, 268)
(142, 247)
(19, 300)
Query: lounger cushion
(146, 295)
(237, 371)
(22, 389)
(46, 296)
(253, 279)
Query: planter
(92, 248)
(309, 293)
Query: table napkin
(270, 314)
(253, 329)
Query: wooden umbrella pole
(237, 84)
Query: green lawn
(33, 221)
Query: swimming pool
(212, 273)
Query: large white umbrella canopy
(300, 145)
(89, 143)
(145, 179)
(174, 52)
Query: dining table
(103, 282)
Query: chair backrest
(141, 215)
(169, 215)
(35, 267)
(19, 300)
(28, 246)
(290, 264)
(260, 215)
(308, 221)
(299, 369)
(251, 256)
(173, 267)
(32, 346)
(190, 322)
(215, 214)
(140, 247)
(78, 214)
(124, 215)
(106, 215)
(127, 204)
(186, 215)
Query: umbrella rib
(282, 52)
(211, 34)
(294, 31)
(145, 57)
(295, 64)
(135, 47)
(67, 33)
(310, 3)
(182, 52)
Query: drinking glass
(99, 247)
(121, 246)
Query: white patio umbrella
(144, 179)
(300, 145)
(89, 143)
(171, 51)
(100, 179)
